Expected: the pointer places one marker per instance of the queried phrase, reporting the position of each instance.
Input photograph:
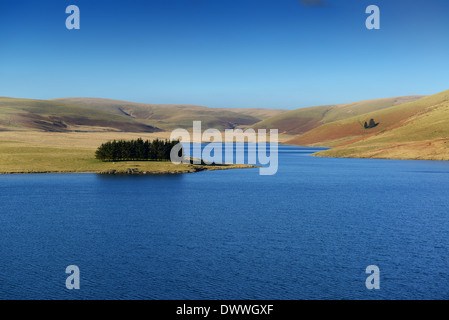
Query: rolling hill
(55, 116)
(94, 115)
(169, 117)
(412, 127)
(302, 120)
(414, 130)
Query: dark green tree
(136, 150)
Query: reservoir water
(307, 232)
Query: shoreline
(137, 172)
(377, 158)
(44, 152)
(395, 152)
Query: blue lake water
(307, 232)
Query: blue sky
(224, 53)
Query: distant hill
(415, 130)
(302, 120)
(169, 117)
(92, 114)
(56, 116)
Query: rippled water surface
(307, 232)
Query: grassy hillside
(169, 117)
(302, 120)
(258, 113)
(89, 114)
(415, 130)
(42, 115)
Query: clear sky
(224, 53)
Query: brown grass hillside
(416, 130)
(56, 116)
(299, 121)
(169, 117)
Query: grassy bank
(38, 152)
(415, 150)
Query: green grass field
(75, 152)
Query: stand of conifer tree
(135, 150)
(371, 124)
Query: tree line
(136, 150)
